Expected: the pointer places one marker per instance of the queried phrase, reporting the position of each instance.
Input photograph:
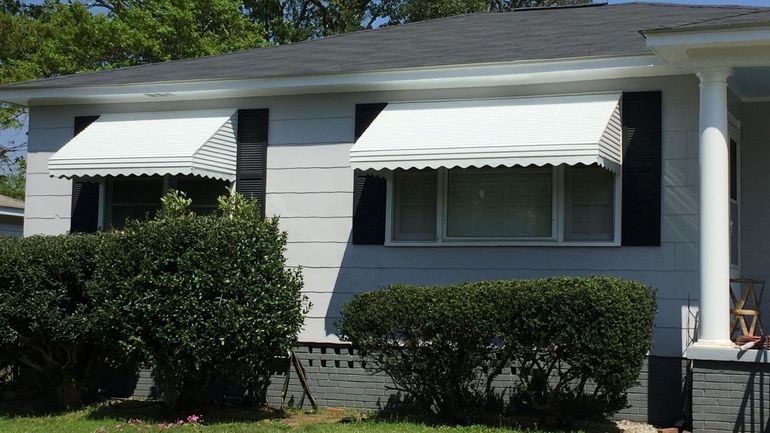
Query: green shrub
(194, 297)
(577, 344)
(434, 342)
(46, 320)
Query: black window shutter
(252, 154)
(368, 209)
(642, 161)
(369, 192)
(84, 217)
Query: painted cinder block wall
(309, 185)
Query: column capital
(713, 74)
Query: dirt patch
(323, 416)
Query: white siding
(309, 184)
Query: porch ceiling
(751, 83)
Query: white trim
(457, 76)
(729, 353)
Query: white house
(630, 140)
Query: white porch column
(714, 208)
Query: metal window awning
(197, 142)
(573, 129)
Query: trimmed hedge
(193, 297)
(577, 344)
(46, 316)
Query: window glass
(590, 210)
(414, 205)
(203, 192)
(734, 223)
(135, 197)
(733, 170)
(500, 202)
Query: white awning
(199, 142)
(579, 129)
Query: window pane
(137, 190)
(120, 214)
(135, 198)
(414, 205)
(590, 210)
(500, 202)
(203, 192)
(733, 170)
(734, 232)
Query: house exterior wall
(755, 195)
(309, 184)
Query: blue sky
(20, 134)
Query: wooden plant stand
(747, 306)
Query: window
(734, 206)
(138, 197)
(500, 203)
(134, 197)
(415, 211)
(575, 204)
(589, 204)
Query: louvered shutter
(642, 159)
(84, 217)
(369, 192)
(252, 154)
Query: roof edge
(455, 76)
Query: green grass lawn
(147, 418)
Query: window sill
(500, 244)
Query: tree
(288, 21)
(198, 298)
(57, 38)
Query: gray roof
(10, 202)
(535, 34)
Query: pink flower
(193, 419)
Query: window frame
(734, 135)
(558, 216)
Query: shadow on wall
(657, 398)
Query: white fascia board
(486, 75)
(709, 37)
